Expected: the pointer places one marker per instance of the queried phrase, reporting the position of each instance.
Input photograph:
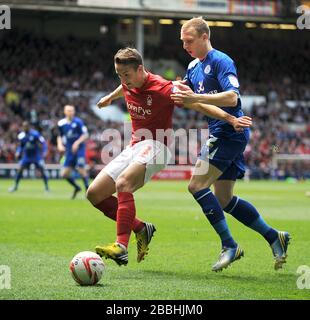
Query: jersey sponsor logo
(233, 81)
(207, 69)
(139, 110)
(149, 100)
(212, 92)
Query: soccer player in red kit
(151, 107)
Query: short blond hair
(199, 24)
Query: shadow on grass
(261, 279)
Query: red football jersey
(150, 107)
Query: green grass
(40, 233)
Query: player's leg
(199, 187)
(41, 167)
(18, 177)
(131, 179)
(84, 175)
(131, 170)
(100, 194)
(247, 214)
(69, 165)
(214, 158)
(80, 166)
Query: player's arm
(223, 99)
(226, 75)
(60, 146)
(84, 136)
(77, 143)
(217, 113)
(20, 149)
(18, 152)
(43, 146)
(108, 99)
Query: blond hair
(199, 24)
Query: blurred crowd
(39, 76)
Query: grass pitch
(40, 233)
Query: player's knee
(92, 195)
(193, 187)
(65, 174)
(123, 185)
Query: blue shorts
(226, 155)
(26, 162)
(75, 159)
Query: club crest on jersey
(207, 69)
(149, 100)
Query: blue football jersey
(32, 145)
(216, 73)
(71, 131)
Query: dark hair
(128, 56)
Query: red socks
(126, 213)
(109, 208)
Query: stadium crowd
(39, 76)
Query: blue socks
(85, 181)
(246, 213)
(73, 183)
(44, 177)
(214, 213)
(18, 177)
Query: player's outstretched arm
(107, 100)
(184, 95)
(217, 113)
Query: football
(87, 268)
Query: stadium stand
(40, 75)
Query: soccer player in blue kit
(32, 149)
(71, 141)
(212, 78)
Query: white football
(87, 268)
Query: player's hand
(180, 85)
(75, 147)
(183, 97)
(17, 156)
(61, 149)
(240, 123)
(104, 101)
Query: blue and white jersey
(32, 145)
(216, 73)
(71, 131)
